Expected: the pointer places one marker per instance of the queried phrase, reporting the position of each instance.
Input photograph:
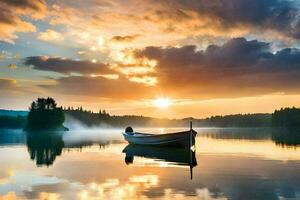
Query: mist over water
(91, 163)
(75, 124)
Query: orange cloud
(35, 9)
(51, 36)
(235, 69)
(164, 23)
(11, 21)
(238, 68)
(126, 38)
(120, 88)
(6, 84)
(10, 24)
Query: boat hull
(180, 139)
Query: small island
(45, 115)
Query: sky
(171, 58)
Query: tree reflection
(286, 136)
(43, 147)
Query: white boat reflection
(175, 156)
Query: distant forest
(14, 122)
(90, 118)
(286, 117)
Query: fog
(80, 133)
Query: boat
(178, 139)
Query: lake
(227, 163)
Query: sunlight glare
(100, 41)
(162, 102)
(93, 48)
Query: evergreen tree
(44, 114)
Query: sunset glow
(162, 102)
(114, 55)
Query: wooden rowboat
(178, 139)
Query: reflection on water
(179, 156)
(89, 164)
(286, 137)
(44, 147)
(168, 155)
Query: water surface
(99, 164)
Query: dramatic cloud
(67, 66)
(237, 68)
(170, 19)
(51, 36)
(10, 24)
(181, 49)
(36, 9)
(10, 17)
(279, 15)
(120, 88)
(173, 21)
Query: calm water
(99, 164)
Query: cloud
(161, 21)
(175, 22)
(120, 88)
(10, 24)
(50, 35)
(238, 68)
(6, 84)
(11, 20)
(36, 9)
(126, 38)
(277, 15)
(66, 66)
(234, 69)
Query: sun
(162, 102)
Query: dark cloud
(6, 17)
(237, 68)
(126, 38)
(10, 24)
(37, 5)
(120, 88)
(279, 15)
(66, 66)
(6, 84)
(11, 21)
(235, 53)
(234, 69)
(173, 13)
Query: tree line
(286, 117)
(45, 114)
